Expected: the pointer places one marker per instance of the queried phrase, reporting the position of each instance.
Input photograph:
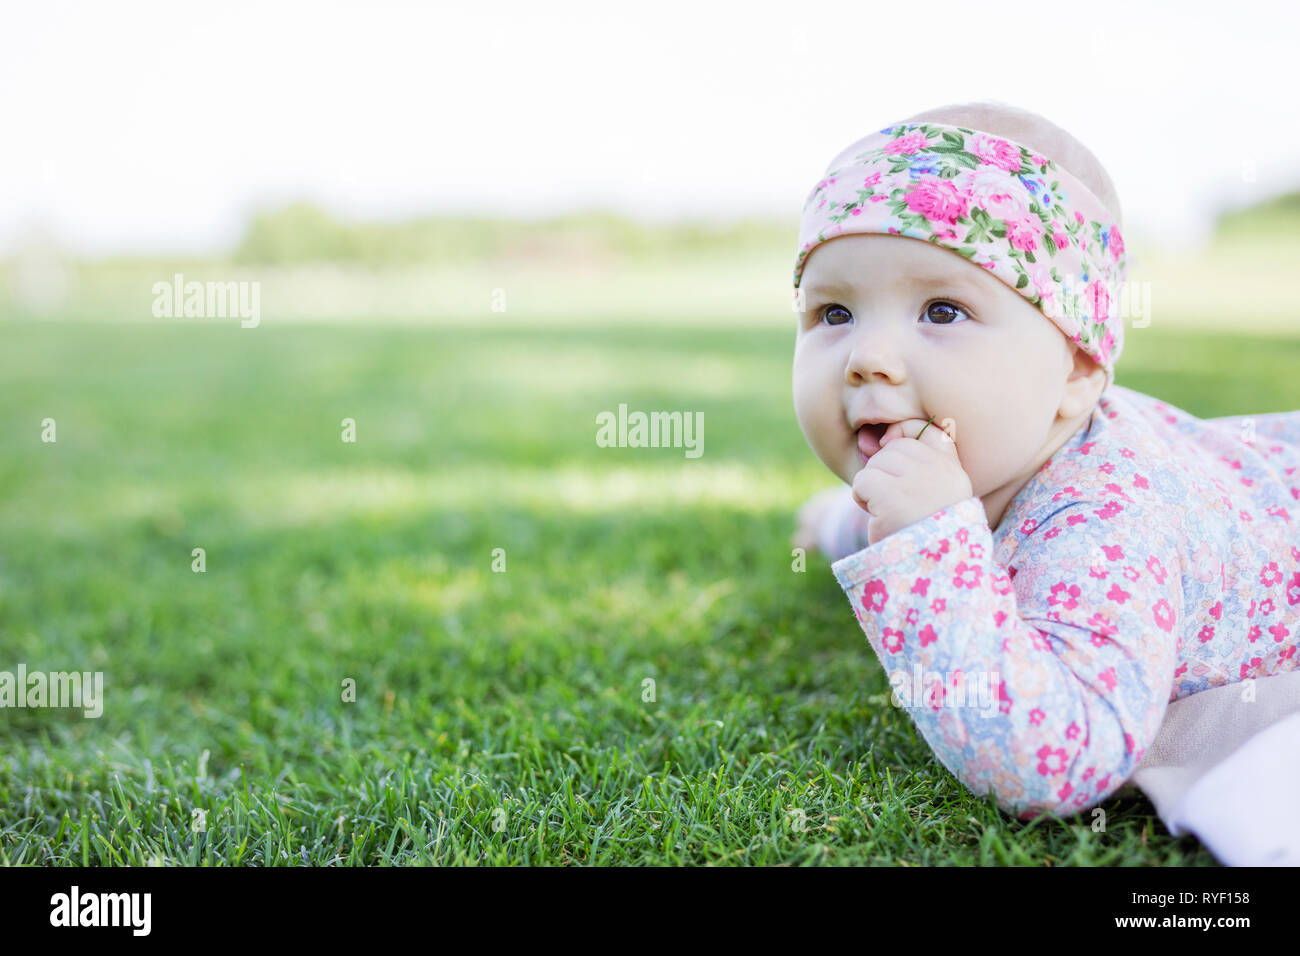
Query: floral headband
(996, 202)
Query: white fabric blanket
(1227, 768)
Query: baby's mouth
(869, 439)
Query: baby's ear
(1083, 384)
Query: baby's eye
(944, 313)
(829, 310)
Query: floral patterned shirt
(1152, 556)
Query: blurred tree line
(306, 233)
(303, 232)
(1275, 218)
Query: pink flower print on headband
(998, 204)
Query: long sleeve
(1042, 682)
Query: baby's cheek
(976, 469)
(990, 455)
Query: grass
(499, 717)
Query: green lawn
(499, 717)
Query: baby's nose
(874, 356)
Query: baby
(1042, 560)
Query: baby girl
(1042, 560)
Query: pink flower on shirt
(1071, 592)
(966, 576)
(1164, 615)
(874, 596)
(936, 555)
(1051, 760)
(1108, 510)
(935, 694)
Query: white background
(158, 127)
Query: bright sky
(157, 127)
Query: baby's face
(895, 328)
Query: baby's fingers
(931, 432)
(869, 485)
(907, 428)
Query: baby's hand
(910, 478)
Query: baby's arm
(1078, 649)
